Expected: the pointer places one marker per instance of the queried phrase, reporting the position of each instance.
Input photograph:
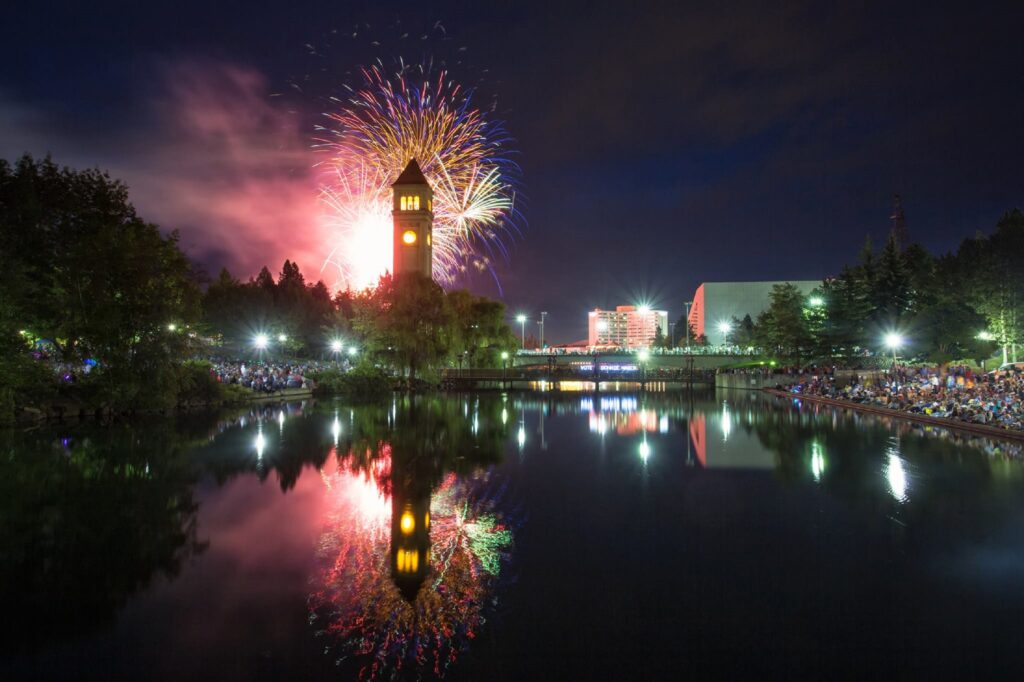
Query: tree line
(407, 323)
(965, 305)
(85, 282)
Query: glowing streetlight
(282, 338)
(986, 336)
(336, 346)
(893, 341)
(172, 327)
(261, 341)
(352, 350)
(725, 327)
(644, 355)
(816, 301)
(521, 319)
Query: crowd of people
(264, 377)
(993, 399)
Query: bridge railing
(562, 373)
(689, 350)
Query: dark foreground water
(520, 537)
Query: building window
(409, 237)
(428, 239)
(402, 203)
(414, 203)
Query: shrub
(363, 381)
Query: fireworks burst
(375, 133)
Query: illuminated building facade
(413, 216)
(625, 327)
(715, 303)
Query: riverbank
(66, 411)
(978, 429)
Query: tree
(97, 281)
(991, 272)
(659, 340)
(481, 330)
(782, 328)
(742, 333)
(405, 321)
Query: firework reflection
(414, 542)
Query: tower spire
(413, 216)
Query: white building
(716, 303)
(625, 327)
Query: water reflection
(415, 540)
(406, 547)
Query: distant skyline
(659, 148)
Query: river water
(524, 536)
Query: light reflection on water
(420, 517)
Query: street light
(643, 356)
(893, 341)
(261, 341)
(282, 338)
(816, 301)
(336, 346)
(504, 364)
(688, 304)
(725, 328)
(521, 319)
(986, 336)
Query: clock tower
(413, 215)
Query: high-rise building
(413, 216)
(626, 327)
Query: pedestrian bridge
(565, 377)
(608, 361)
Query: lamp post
(542, 316)
(688, 304)
(725, 328)
(643, 356)
(336, 348)
(985, 335)
(893, 341)
(504, 366)
(672, 334)
(521, 319)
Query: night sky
(659, 148)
